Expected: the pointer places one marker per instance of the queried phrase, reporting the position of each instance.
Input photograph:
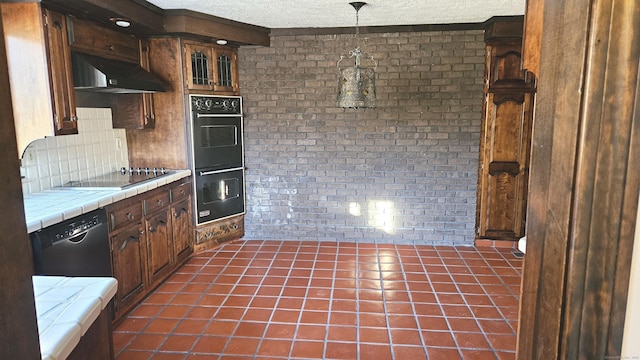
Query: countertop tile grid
(325, 300)
(66, 307)
(55, 205)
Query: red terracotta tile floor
(324, 300)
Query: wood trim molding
(584, 177)
(376, 29)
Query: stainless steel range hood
(97, 74)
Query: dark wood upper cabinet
(199, 71)
(210, 67)
(226, 64)
(89, 38)
(135, 111)
(39, 69)
(61, 78)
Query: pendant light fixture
(356, 84)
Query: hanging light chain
(357, 28)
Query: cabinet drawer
(93, 39)
(155, 202)
(125, 215)
(180, 192)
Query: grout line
(333, 283)
(444, 315)
(411, 303)
(384, 302)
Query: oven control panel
(216, 104)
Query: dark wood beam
(146, 19)
(194, 24)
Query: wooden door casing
(584, 173)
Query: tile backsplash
(97, 149)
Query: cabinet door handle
(153, 229)
(127, 241)
(130, 216)
(179, 212)
(159, 202)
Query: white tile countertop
(55, 205)
(66, 307)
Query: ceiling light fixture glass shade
(356, 84)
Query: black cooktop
(117, 180)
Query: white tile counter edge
(56, 205)
(66, 307)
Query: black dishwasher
(74, 247)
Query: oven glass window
(220, 190)
(218, 135)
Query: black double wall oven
(218, 158)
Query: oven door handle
(205, 173)
(203, 115)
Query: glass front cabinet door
(211, 68)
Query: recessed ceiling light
(121, 22)
(221, 42)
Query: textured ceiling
(338, 13)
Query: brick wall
(403, 172)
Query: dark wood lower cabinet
(128, 258)
(159, 257)
(182, 227)
(151, 235)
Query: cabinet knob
(159, 203)
(234, 226)
(130, 216)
